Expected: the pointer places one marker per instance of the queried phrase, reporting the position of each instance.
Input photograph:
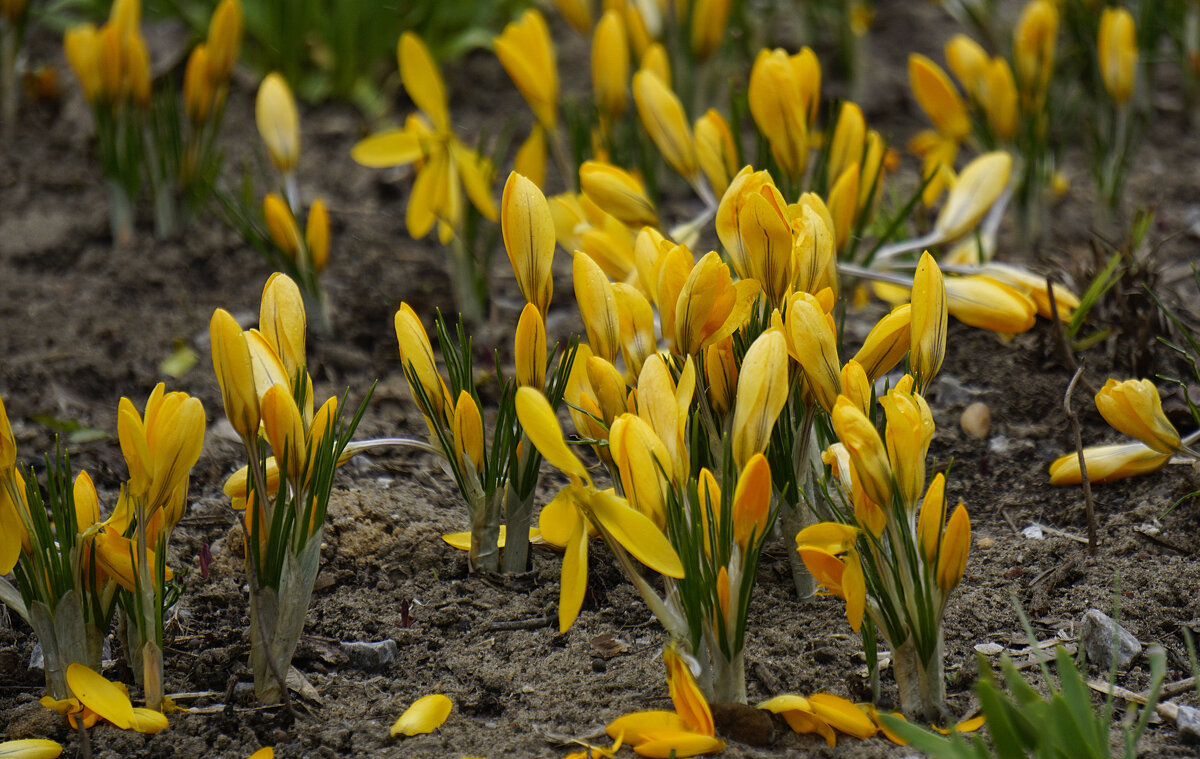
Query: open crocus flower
(1108, 463)
(447, 167)
(687, 731)
(579, 507)
(822, 713)
(829, 554)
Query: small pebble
(985, 543)
(1096, 633)
(1033, 532)
(976, 420)
(1188, 722)
(368, 654)
(989, 649)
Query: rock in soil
(1188, 722)
(1096, 633)
(370, 655)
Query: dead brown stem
(1083, 472)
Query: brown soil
(82, 324)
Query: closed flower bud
(316, 235)
(136, 67)
(1034, 40)
(1134, 407)
(416, 354)
(285, 430)
(281, 225)
(956, 544)
(235, 374)
(527, 226)
(779, 110)
(529, 348)
(709, 18)
(843, 203)
(908, 432)
(197, 92)
(82, 47)
(654, 59)
(111, 62)
(125, 16)
(933, 515)
(664, 120)
(1000, 102)
(527, 54)
(752, 501)
(856, 386)
(578, 13)
(224, 41)
(597, 306)
(282, 322)
(938, 98)
(1108, 463)
(766, 238)
(278, 122)
(1118, 52)
(643, 462)
(617, 192)
(814, 339)
(468, 433)
(927, 347)
(744, 185)
(721, 373)
(87, 502)
(610, 65)
(866, 450)
(849, 137)
(715, 150)
(762, 391)
(886, 343)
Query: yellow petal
(664, 120)
(689, 700)
(422, 80)
(235, 373)
(558, 518)
(573, 580)
(752, 501)
(610, 65)
(928, 321)
(636, 533)
(597, 306)
(101, 695)
(664, 744)
(266, 752)
(633, 728)
(468, 432)
(617, 192)
(956, 544)
(224, 40)
(541, 425)
(30, 748)
(527, 54)
(761, 394)
(424, 716)
(1134, 407)
(1108, 463)
(987, 304)
(475, 173)
(530, 158)
(394, 147)
(528, 229)
(842, 715)
(148, 721)
(866, 449)
(938, 98)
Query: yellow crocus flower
(866, 450)
(715, 150)
(709, 19)
(278, 121)
(643, 463)
(664, 120)
(285, 430)
(467, 428)
(814, 338)
(235, 374)
(1108, 463)
(979, 185)
(281, 224)
(529, 348)
(578, 13)
(528, 230)
(597, 306)
(828, 552)
(526, 52)
(1035, 38)
(931, 519)
(856, 386)
(617, 192)
(610, 67)
(779, 109)
(1000, 102)
(1134, 407)
(224, 41)
(416, 354)
(956, 545)
(968, 61)
(752, 501)
(282, 321)
(721, 375)
(161, 450)
(655, 60)
(843, 203)
(1118, 52)
(848, 140)
(766, 240)
(197, 91)
(316, 235)
(711, 306)
(762, 391)
(82, 47)
(886, 343)
(136, 69)
(938, 98)
(928, 322)
(609, 389)
(742, 188)
(907, 434)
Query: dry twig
(1083, 472)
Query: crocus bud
(711, 306)
(529, 348)
(721, 373)
(316, 235)
(235, 374)
(283, 322)
(1134, 407)
(766, 238)
(643, 462)
(843, 203)
(956, 544)
(848, 140)
(928, 322)
(709, 18)
(815, 340)
(654, 59)
(578, 13)
(908, 432)
(1000, 103)
(417, 356)
(967, 61)
(281, 225)
(866, 450)
(82, 47)
(610, 65)
(762, 391)
(468, 433)
(224, 41)
(1118, 52)
(779, 110)
(136, 67)
(752, 501)
(527, 54)
(933, 515)
(979, 186)
(278, 122)
(856, 386)
(1034, 40)
(285, 430)
(664, 120)
(715, 150)
(110, 62)
(597, 306)
(528, 230)
(617, 192)
(197, 92)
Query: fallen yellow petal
(424, 716)
(636, 727)
(662, 745)
(266, 752)
(101, 695)
(32, 748)
(148, 721)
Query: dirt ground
(82, 324)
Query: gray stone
(1096, 633)
(1187, 719)
(370, 655)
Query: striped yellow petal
(424, 716)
